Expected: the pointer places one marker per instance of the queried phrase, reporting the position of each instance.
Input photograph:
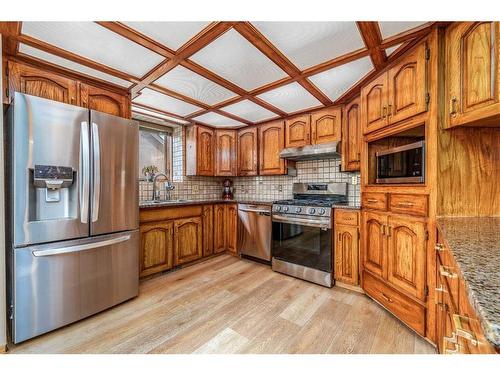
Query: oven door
(306, 244)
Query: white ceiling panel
(290, 98)
(171, 34)
(184, 81)
(336, 81)
(390, 50)
(249, 111)
(311, 43)
(391, 28)
(96, 43)
(147, 112)
(48, 57)
(166, 103)
(237, 60)
(219, 121)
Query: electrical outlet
(279, 188)
(354, 180)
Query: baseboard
(3, 349)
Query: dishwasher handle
(260, 212)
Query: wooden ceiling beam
(160, 111)
(259, 41)
(416, 32)
(10, 31)
(199, 41)
(370, 32)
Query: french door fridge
(73, 213)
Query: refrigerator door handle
(76, 248)
(84, 172)
(97, 172)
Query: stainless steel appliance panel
(115, 152)
(57, 284)
(44, 132)
(255, 230)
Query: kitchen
(245, 187)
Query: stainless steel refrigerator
(73, 217)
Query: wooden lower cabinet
(188, 234)
(208, 230)
(219, 228)
(346, 254)
(231, 228)
(157, 247)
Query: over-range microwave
(401, 165)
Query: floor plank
(229, 305)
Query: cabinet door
(406, 249)
(205, 152)
(225, 153)
(36, 82)
(247, 152)
(219, 228)
(374, 104)
(231, 227)
(346, 254)
(473, 72)
(271, 142)
(101, 100)
(208, 230)
(156, 247)
(298, 131)
(188, 235)
(326, 125)
(374, 243)
(351, 137)
(407, 86)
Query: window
(155, 152)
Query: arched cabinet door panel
(188, 240)
(326, 125)
(346, 254)
(247, 152)
(156, 253)
(374, 97)
(205, 157)
(272, 141)
(225, 153)
(104, 101)
(374, 243)
(351, 136)
(298, 131)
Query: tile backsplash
(252, 188)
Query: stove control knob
(278, 208)
(285, 209)
(321, 211)
(298, 209)
(311, 211)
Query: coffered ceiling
(223, 74)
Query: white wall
(3, 323)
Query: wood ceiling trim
(10, 31)
(159, 111)
(370, 32)
(416, 32)
(199, 41)
(46, 47)
(259, 41)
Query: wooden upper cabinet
(407, 86)
(247, 152)
(406, 255)
(225, 153)
(188, 234)
(374, 97)
(272, 141)
(473, 73)
(37, 82)
(101, 100)
(157, 248)
(374, 243)
(205, 151)
(351, 137)
(326, 125)
(298, 131)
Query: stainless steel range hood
(329, 150)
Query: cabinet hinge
(426, 235)
(426, 290)
(427, 98)
(427, 53)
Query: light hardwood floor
(228, 305)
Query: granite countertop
(188, 202)
(475, 244)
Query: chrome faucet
(168, 187)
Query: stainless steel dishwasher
(255, 231)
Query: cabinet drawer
(346, 217)
(374, 201)
(405, 309)
(411, 204)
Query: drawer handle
(445, 271)
(388, 299)
(441, 289)
(439, 247)
(457, 321)
(372, 200)
(406, 204)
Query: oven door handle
(306, 222)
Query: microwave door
(49, 170)
(114, 184)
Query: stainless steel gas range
(302, 231)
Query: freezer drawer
(60, 283)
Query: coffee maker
(227, 192)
